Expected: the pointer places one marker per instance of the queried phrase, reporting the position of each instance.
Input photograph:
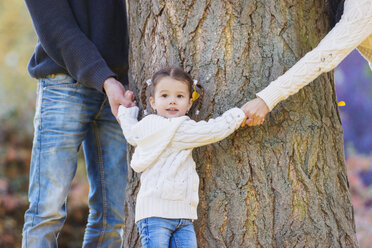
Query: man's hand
(255, 110)
(117, 95)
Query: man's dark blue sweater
(87, 39)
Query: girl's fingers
(249, 122)
(257, 122)
(243, 122)
(254, 122)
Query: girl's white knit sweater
(169, 182)
(352, 31)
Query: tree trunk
(282, 184)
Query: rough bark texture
(283, 184)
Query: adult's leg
(59, 130)
(105, 156)
(184, 236)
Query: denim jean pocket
(58, 87)
(58, 80)
(174, 190)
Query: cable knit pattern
(352, 31)
(169, 182)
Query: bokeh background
(17, 102)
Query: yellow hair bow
(195, 95)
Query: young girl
(168, 197)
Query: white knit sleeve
(192, 134)
(353, 28)
(128, 119)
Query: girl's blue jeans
(166, 233)
(69, 114)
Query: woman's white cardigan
(352, 31)
(169, 182)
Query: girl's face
(171, 98)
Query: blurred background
(17, 102)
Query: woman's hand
(255, 111)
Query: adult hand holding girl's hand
(255, 111)
(117, 95)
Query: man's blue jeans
(69, 114)
(166, 233)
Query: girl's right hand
(130, 102)
(115, 92)
(130, 97)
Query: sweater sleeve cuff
(124, 112)
(271, 96)
(100, 76)
(238, 115)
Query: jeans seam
(146, 231)
(39, 151)
(39, 127)
(176, 240)
(179, 226)
(100, 162)
(101, 108)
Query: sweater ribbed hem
(154, 207)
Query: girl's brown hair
(177, 74)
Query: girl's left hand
(255, 111)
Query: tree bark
(282, 184)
